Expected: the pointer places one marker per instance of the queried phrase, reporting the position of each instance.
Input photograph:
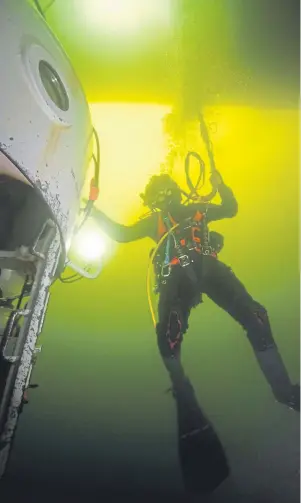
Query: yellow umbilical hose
(150, 264)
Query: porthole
(53, 86)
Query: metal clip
(184, 260)
(165, 271)
(207, 250)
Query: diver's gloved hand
(216, 179)
(216, 241)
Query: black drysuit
(215, 279)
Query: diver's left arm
(228, 207)
(124, 233)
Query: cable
(94, 186)
(201, 179)
(192, 195)
(94, 192)
(39, 8)
(71, 279)
(148, 278)
(68, 278)
(205, 137)
(97, 159)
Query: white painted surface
(51, 147)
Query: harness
(191, 235)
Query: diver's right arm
(123, 233)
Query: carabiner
(165, 270)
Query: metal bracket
(8, 331)
(33, 250)
(83, 272)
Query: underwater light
(89, 244)
(127, 15)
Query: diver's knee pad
(170, 335)
(259, 329)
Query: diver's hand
(216, 179)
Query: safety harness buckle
(206, 250)
(165, 270)
(184, 260)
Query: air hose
(93, 196)
(149, 269)
(193, 195)
(94, 184)
(39, 8)
(206, 140)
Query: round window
(54, 86)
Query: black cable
(207, 141)
(201, 178)
(65, 280)
(90, 203)
(22, 292)
(74, 280)
(71, 279)
(39, 8)
(97, 159)
(89, 206)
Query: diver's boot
(274, 370)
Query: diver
(187, 266)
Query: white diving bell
(46, 135)
(46, 142)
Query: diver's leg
(228, 292)
(201, 456)
(177, 297)
(169, 328)
(172, 324)
(173, 315)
